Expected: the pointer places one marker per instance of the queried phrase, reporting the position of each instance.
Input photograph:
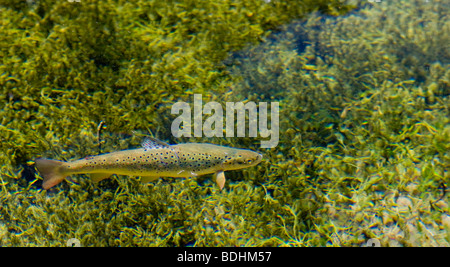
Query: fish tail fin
(52, 171)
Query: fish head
(242, 158)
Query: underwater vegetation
(364, 120)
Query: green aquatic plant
(364, 117)
(359, 122)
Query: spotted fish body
(156, 159)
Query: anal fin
(148, 179)
(97, 177)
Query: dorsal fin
(153, 143)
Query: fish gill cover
(364, 117)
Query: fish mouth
(259, 157)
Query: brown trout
(155, 159)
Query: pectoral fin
(220, 179)
(97, 177)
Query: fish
(153, 160)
